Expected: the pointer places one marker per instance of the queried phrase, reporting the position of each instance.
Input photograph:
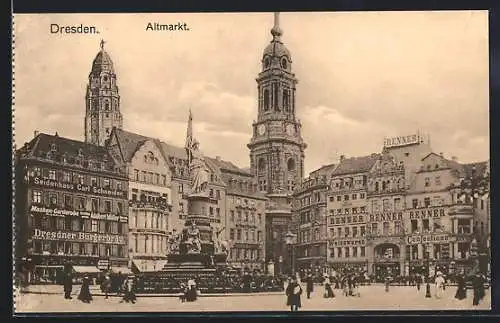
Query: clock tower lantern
(276, 147)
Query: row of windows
(285, 96)
(149, 197)
(78, 224)
(346, 197)
(349, 183)
(387, 185)
(150, 244)
(348, 232)
(353, 210)
(397, 229)
(76, 248)
(142, 219)
(244, 254)
(247, 218)
(76, 202)
(386, 205)
(437, 181)
(150, 177)
(464, 226)
(348, 252)
(309, 235)
(248, 235)
(77, 178)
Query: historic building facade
(71, 209)
(244, 224)
(347, 213)
(385, 223)
(150, 199)
(310, 215)
(102, 100)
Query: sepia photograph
(251, 162)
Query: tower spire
(102, 44)
(276, 31)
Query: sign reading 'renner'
(78, 237)
(401, 141)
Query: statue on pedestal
(193, 241)
(197, 167)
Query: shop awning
(123, 270)
(149, 265)
(49, 266)
(86, 269)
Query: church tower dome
(276, 54)
(102, 100)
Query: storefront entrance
(382, 270)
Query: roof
(43, 143)
(224, 165)
(465, 170)
(102, 62)
(355, 165)
(129, 142)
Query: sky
(363, 76)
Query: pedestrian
(439, 283)
(309, 285)
(461, 287)
(355, 287)
(106, 285)
(129, 291)
(85, 295)
(293, 292)
(418, 281)
(191, 294)
(387, 283)
(478, 288)
(68, 285)
(328, 288)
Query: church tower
(277, 147)
(102, 100)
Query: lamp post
(428, 265)
(290, 241)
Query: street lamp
(428, 265)
(290, 240)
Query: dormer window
(284, 63)
(267, 62)
(53, 148)
(80, 152)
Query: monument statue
(197, 166)
(220, 245)
(193, 241)
(174, 241)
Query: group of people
(127, 289)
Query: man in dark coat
(478, 287)
(309, 285)
(293, 292)
(68, 285)
(85, 295)
(461, 287)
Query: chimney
(342, 157)
(441, 154)
(217, 158)
(454, 158)
(35, 133)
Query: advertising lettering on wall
(430, 238)
(84, 214)
(78, 187)
(351, 242)
(401, 141)
(384, 217)
(426, 213)
(78, 237)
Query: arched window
(384, 185)
(376, 186)
(286, 100)
(267, 99)
(262, 164)
(291, 164)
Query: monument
(197, 251)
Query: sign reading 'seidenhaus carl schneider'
(78, 187)
(78, 237)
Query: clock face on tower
(261, 129)
(290, 129)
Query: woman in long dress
(439, 282)
(328, 288)
(461, 287)
(85, 295)
(293, 292)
